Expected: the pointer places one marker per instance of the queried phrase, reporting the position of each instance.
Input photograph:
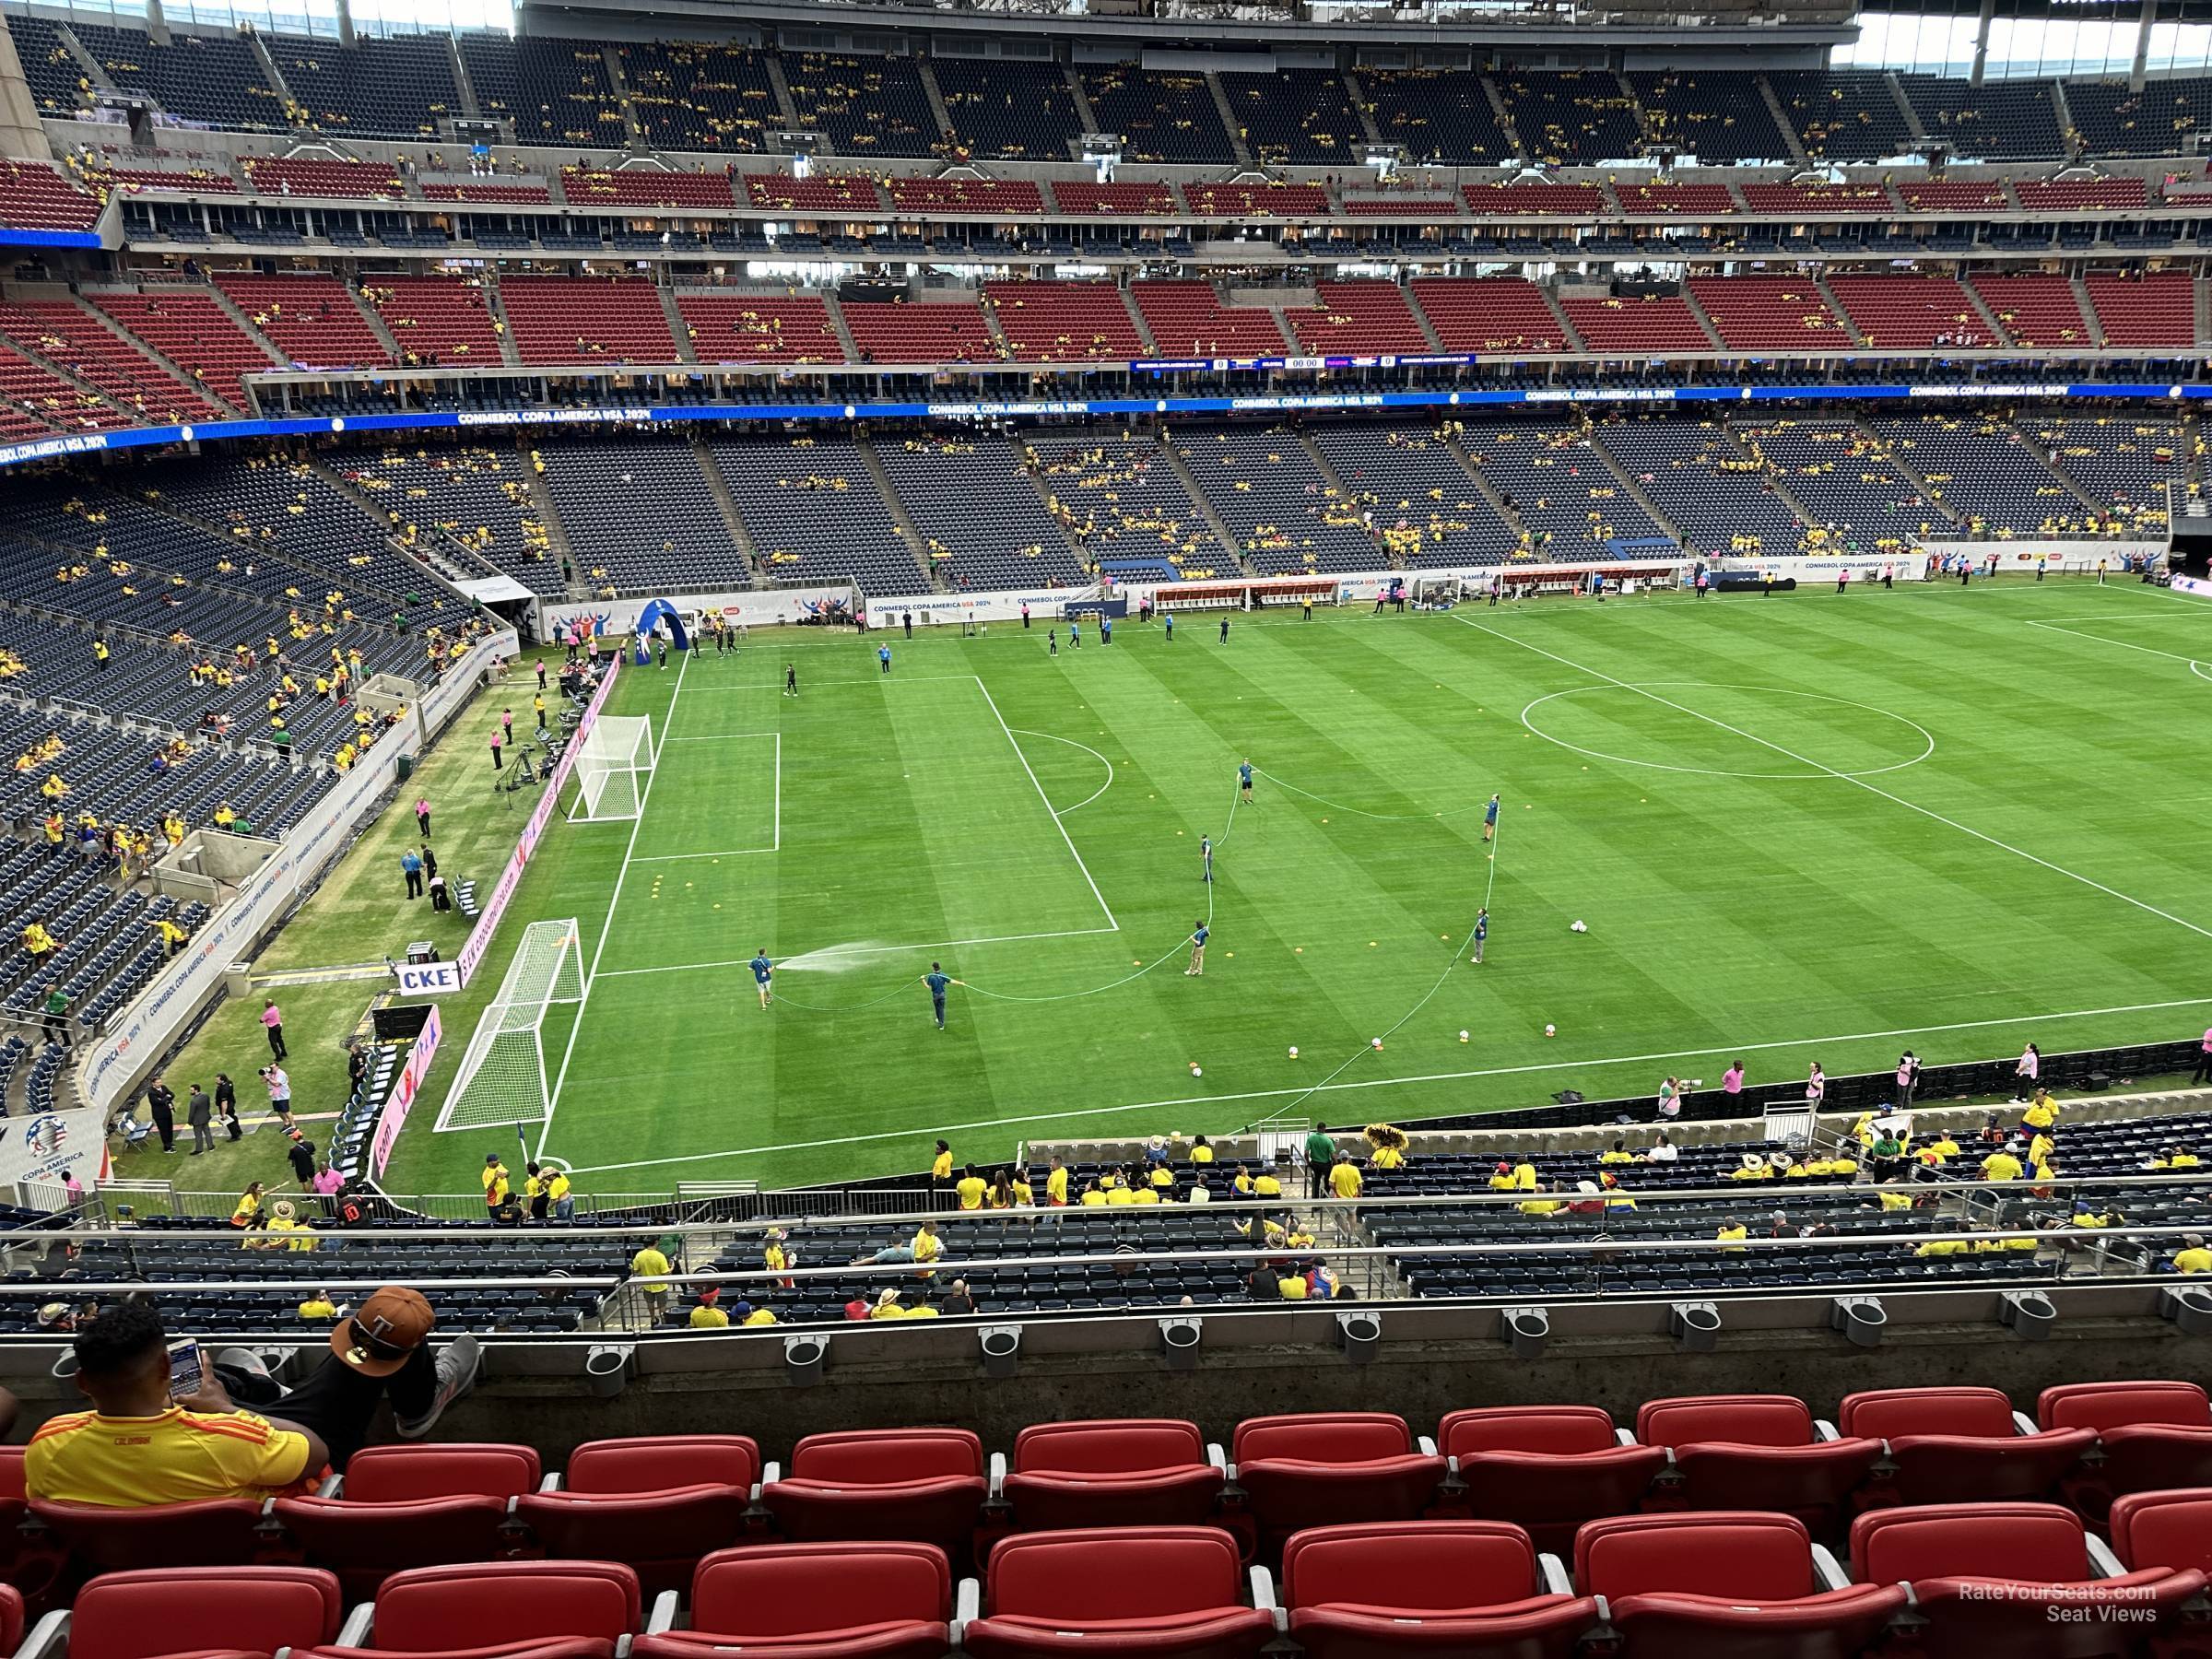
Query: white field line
(1070, 839)
(1065, 933)
(1874, 789)
(1186, 1101)
(607, 927)
(2122, 644)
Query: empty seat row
(2023, 1580)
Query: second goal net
(503, 1077)
(612, 768)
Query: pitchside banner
(401, 1101)
(144, 1029)
(471, 955)
(38, 1154)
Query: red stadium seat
(658, 1503)
(2016, 1578)
(2151, 1437)
(223, 1532)
(1548, 1468)
(1136, 1472)
(1468, 1588)
(1162, 1591)
(499, 1610)
(2164, 1529)
(25, 1563)
(199, 1609)
(1331, 1467)
(413, 1506)
(810, 1601)
(925, 1486)
(1756, 1451)
(1722, 1585)
(1957, 1445)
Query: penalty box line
(861, 950)
(1858, 782)
(1714, 1051)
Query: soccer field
(1808, 828)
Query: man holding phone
(164, 1427)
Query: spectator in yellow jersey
(1147, 1193)
(1092, 1197)
(1390, 1146)
(1242, 1182)
(1343, 1178)
(318, 1309)
(1730, 1231)
(940, 1167)
(1943, 1247)
(927, 1246)
(1202, 1151)
(1525, 1175)
(2176, 1158)
(2193, 1257)
(138, 1446)
(647, 1271)
(747, 1314)
(1055, 1184)
(707, 1313)
(496, 1180)
(2041, 1112)
(2001, 1165)
(1266, 1185)
(1121, 1197)
(1548, 1205)
(775, 1255)
(970, 1189)
(1619, 1155)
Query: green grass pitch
(1814, 827)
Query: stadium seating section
(1720, 1524)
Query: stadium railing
(2066, 1255)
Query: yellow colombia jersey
(180, 1456)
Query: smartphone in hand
(186, 1375)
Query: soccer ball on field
(1376, 1040)
(1551, 1031)
(1463, 1037)
(1294, 1050)
(1578, 926)
(1196, 1072)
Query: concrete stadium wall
(1278, 1360)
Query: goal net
(502, 1079)
(612, 768)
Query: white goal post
(503, 1078)
(612, 768)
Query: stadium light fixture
(1525, 1331)
(1001, 1349)
(1696, 1326)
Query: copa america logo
(46, 1135)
